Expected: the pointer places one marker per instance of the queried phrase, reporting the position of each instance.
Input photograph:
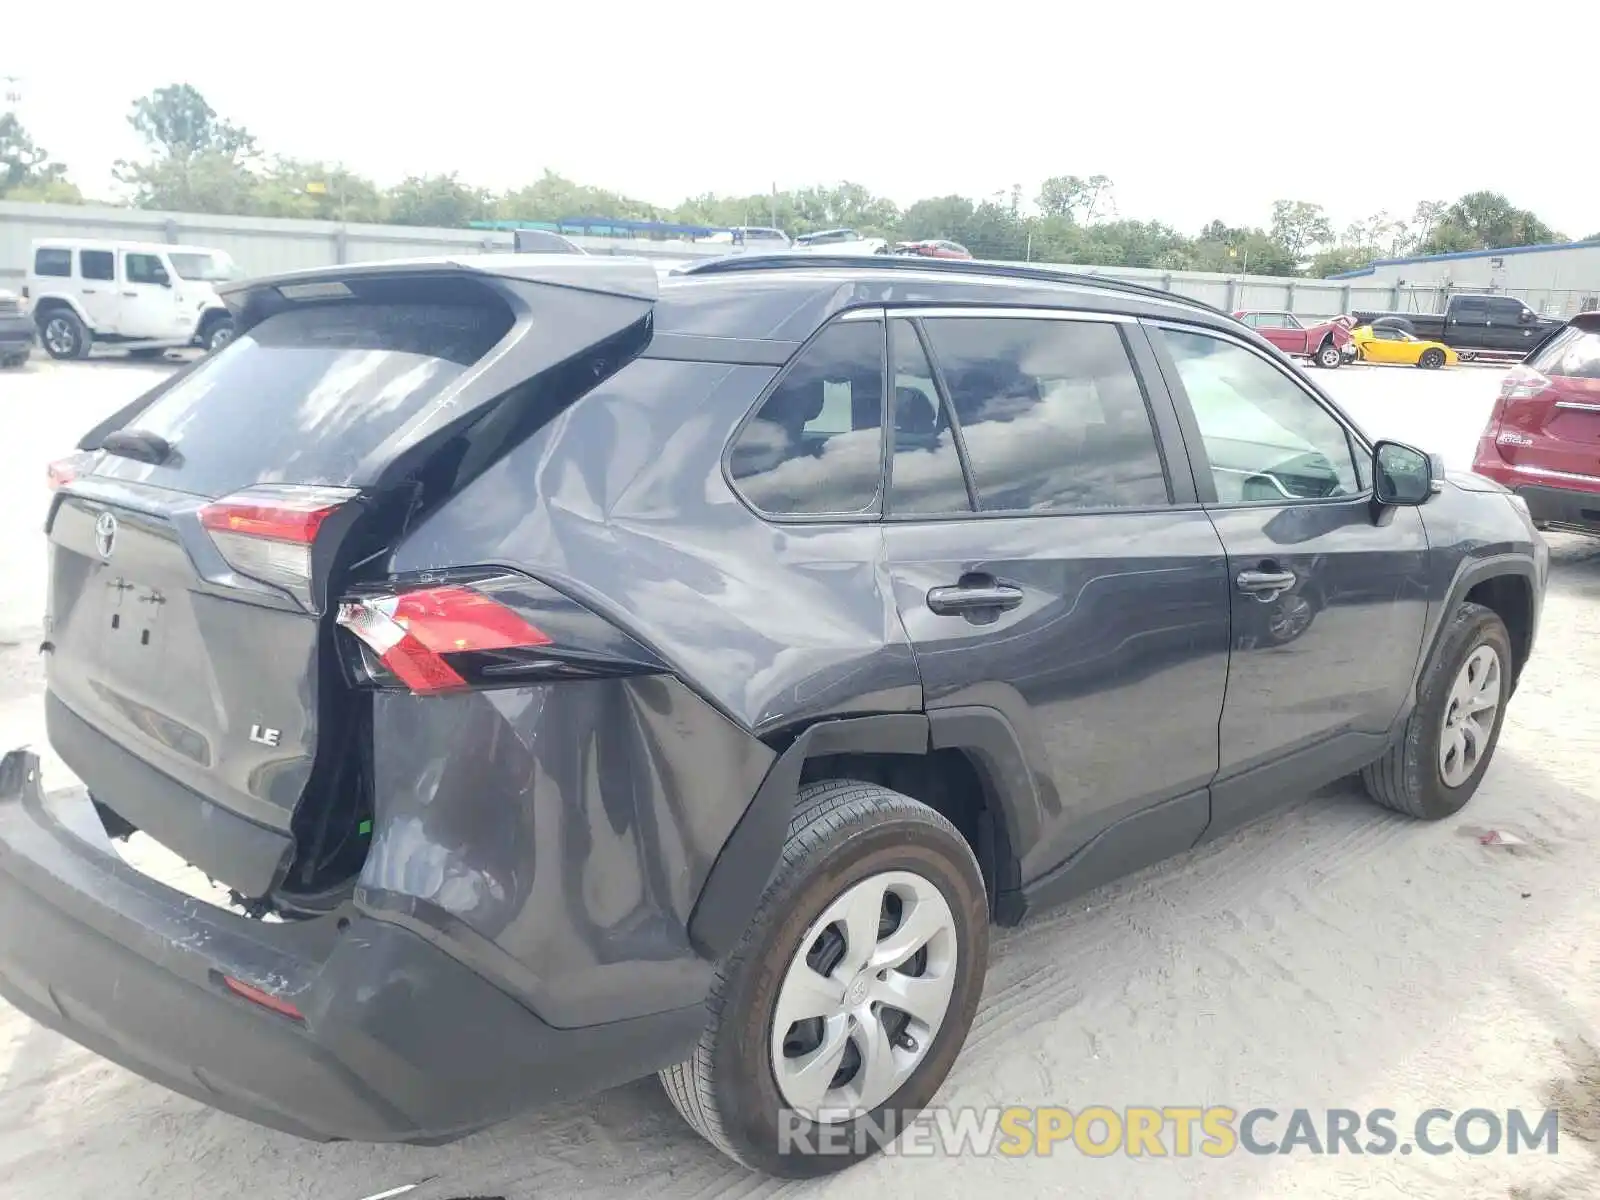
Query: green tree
(441, 200)
(1487, 221)
(26, 172)
(1075, 197)
(1299, 227)
(553, 197)
(315, 191)
(198, 161)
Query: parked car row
(835, 241)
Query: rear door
(191, 567)
(1466, 323)
(97, 273)
(1328, 604)
(1048, 567)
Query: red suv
(1543, 438)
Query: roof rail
(896, 262)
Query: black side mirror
(1401, 474)
(1527, 316)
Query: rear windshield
(1573, 353)
(308, 394)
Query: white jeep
(143, 297)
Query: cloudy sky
(1196, 110)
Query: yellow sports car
(1387, 345)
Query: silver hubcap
(221, 338)
(864, 996)
(1469, 716)
(58, 336)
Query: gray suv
(577, 671)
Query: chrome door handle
(1265, 584)
(959, 600)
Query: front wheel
(1431, 360)
(1438, 762)
(840, 1012)
(217, 334)
(63, 335)
(1329, 356)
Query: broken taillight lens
(414, 633)
(481, 629)
(267, 533)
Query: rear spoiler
(252, 300)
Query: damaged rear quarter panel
(572, 824)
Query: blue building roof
(1422, 258)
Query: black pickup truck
(1473, 325)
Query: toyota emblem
(105, 534)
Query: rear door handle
(1264, 582)
(133, 295)
(959, 599)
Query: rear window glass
(1572, 354)
(47, 261)
(308, 394)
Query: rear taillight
(481, 631)
(268, 533)
(1522, 383)
(74, 466)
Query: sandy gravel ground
(1332, 956)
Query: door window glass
(50, 261)
(816, 445)
(96, 264)
(1051, 412)
(927, 474)
(143, 268)
(1573, 353)
(1266, 437)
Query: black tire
(1328, 356)
(1467, 355)
(1431, 360)
(1407, 778)
(842, 831)
(63, 335)
(216, 333)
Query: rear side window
(97, 264)
(1573, 353)
(1052, 414)
(926, 474)
(816, 445)
(47, 261)
(308, 394)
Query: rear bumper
(398, 1041)
(1554, 500)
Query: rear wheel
(1431, 360)
(1328, 355)
(1436, 766)
(841, 1010)
(63, 335)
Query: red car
(1543, 438)
(1323, 343)
(933, 248)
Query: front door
(1047, 568)
(1329, 596)
(1284, 331)
(148, 307)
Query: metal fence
(266, 245)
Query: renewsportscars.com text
(1179, 1131)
